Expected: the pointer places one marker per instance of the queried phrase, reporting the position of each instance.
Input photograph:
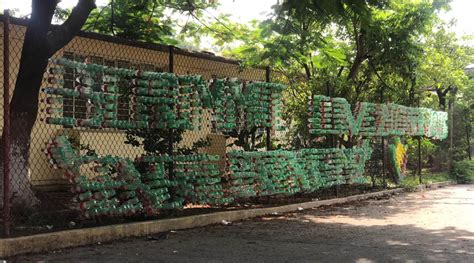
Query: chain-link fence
(39, 193)
(34, 181)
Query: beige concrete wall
(111, 141)
(212, 69)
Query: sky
(246, 10)
(463, 12)
(241, 10)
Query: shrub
(409, 183)
(464, 171)
(428, 150)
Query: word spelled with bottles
(110, 185)
(291, 172)
(334, 116)
(119, 186)
(156, 99)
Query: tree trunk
(307, 71)
(468, 138)
(24, 102)
(39, 44)
(412, 92)
(360, 51)
(355, 67)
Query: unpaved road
(428, 226)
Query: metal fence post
(468, 136)
(171, 131)
(268, 129)
(419, 159)
(6, 123)
(384, 183)
(451, 128)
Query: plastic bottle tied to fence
(53, 101)
(104, 194)
(252, 174)
(84, 196)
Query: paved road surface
(430, 226)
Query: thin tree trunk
(360, 51)
(468, 137)
(355, 67)
(307, 71)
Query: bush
(410, 183)
(428, 149)
(463, 171)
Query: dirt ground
(427, 226)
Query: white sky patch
(245, 10)
(23, 7)
(463, 12)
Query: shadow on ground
(429, 226)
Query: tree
(391, 51)
(441, 72)
(442, 66)
(147, 20)
(156, 141)
(41, 41)
(350, 49)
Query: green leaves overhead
(146, 20)
(352, 49)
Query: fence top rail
(140, 44)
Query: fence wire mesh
(35, 182)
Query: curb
(87, 236)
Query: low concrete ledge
(87, 236)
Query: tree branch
(66, 32)
(355, 66)
(340, 71)
(41, 19)
(92, 26)
(360, 51)
(307, 71)
(378, 75)
(151, 13)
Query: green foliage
(156, 141)
(78, 146)
(463, 171)
(428, 149)
(350, 49)
(411, 182)
(356, 50)
(433, 177)
(445, 59)
(345, 48)
(462, 129)
(247, 139)
(146, 20)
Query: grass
(411, 182)
(430, 177)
